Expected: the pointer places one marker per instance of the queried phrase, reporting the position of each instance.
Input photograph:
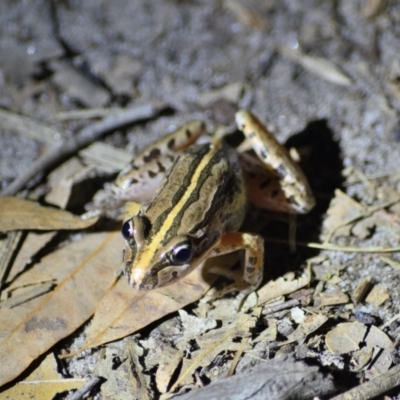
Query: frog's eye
(127, 230)
(182, 253)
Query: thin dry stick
(79, 394)
(86, 136)
(375, 387)
(334, 247)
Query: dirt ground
(324, 75)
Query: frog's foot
(248, 278)
(283, 179)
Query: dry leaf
(347, 338)
(362, 229)
(124, 310)
(85, 271)
(169, 361)
(9, 245)
(381, 218)
(193, 327)
(16, 214)
(343, 209)
(31, 245)
(28, 293)
(246, 15)
(319, 66)
(125, 380)
(214, 342)
(373, 8)
(43, 383)
(280, 287)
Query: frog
(194, 197)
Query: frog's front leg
(251, 276)
(282, 185)
(139, 180)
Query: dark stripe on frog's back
(163, 203)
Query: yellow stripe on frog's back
(169, 218)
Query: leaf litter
(85, 285)
(207, 339)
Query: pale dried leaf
(280, 287)
(43, 383)
(125, 381)
(347, 338)
(140, 382)
(194, 327)
(31, 245)
(382, 219)
(169, 361)
(216, 341)
(124, 310)
(153, 351)
(8, 247)
(16, 214)
(321, 67)
(246, 15)
(30, 292)
(342, 210)
(373, 8)
(362, 357)
(85, 272)
(362, 229)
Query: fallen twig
(335, 247)
(86, 136)
(375, 387)
(281, 306)
(78, 395)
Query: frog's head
(151, 262)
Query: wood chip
(378, 295)
(361, 290)
(332, 298)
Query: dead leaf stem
(334, 247)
